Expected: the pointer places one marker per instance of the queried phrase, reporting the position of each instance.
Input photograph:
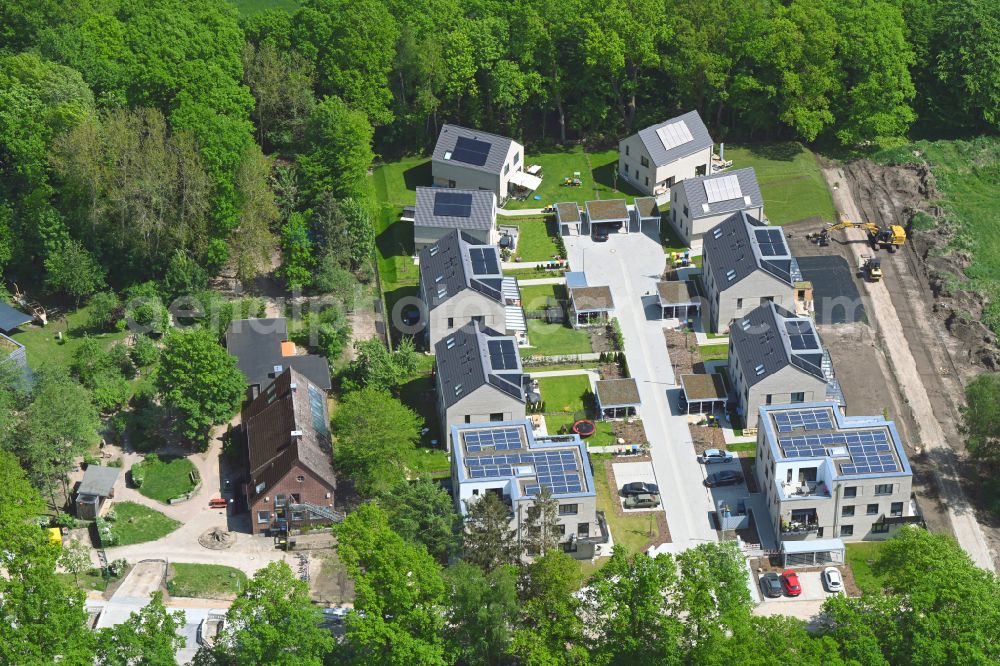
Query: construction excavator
(890, 237)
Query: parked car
(716, 456)
(833, 580)
(723, 478)
(640, 488)
(770, 583)
(600, 236)
(644, 501)
(790, 580)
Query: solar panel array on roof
(870, 450)
(316, 404)
(557, 470)
(722, 189)
(771, 242)
(503, 356)
(452, 204)
(470, 151)
(496, 439)
(801, 334)
(810, 419)
(484, 261)
(674, 134)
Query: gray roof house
(479, 377)
(472, 159)
(98, 485)
(439, 211)
(660, 155)
(263, 351)
(776, 357)
(461, 281)
(746, 263)
(699, 204)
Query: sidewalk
(503, 212)
(537, 281)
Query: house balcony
(804, 490)
(799, 524)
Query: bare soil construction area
(913, 368)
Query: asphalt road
(835, 290)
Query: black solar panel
(497, 439)
(470, 151)
(452, 204)
(503, 355)
(801, 335)
(808, 419)
(771, 242)
(870, 450)
(484, 261)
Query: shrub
(120, 358)
(116, 462)
(105, 311)
(117, 567)
(110, 391)
(145, 352)
(138, 474)
(63, 519)
(145, 309)
(104, 533)
(90, 459)
(89, 360)
(331, 278)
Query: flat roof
(98, 480)
(588, 299)
(703, 386)
(608, 210)
(508, 451)
(811, 545)
(568, 212)
(11, 318)
(575, 279)
(617, 392)
(856, 446)
(647, 207)
(678, 292)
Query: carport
(617, 398)
(590, 306)
(678, 299)
(812, 552)
(568, 218)
(613, 213)
(702, 394)
(646, 211)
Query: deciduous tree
(148, 637)
(423, 512)
(482, 613)
(488, 540)
(982, 417)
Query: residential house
(746, 263)
(474, 160)
(263, 351)
(98, 485)
(655, 158)
(479, 377)
(775, 358)
(508, 459)
(438, 212)
(830, 478)
(290, 479)
(461, 281)
(699, 204)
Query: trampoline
(584, 428)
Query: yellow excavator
(890, 237)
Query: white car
(716, 456)
(833, 580)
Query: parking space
(813, 589)
(633, 472)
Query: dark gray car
(770, 584)
(640, 488)
(725, 478)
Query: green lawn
(631, 531)
(714, 352)
(394, 186)
(536, 237)
(166, 478)
(603, 433)
(555, 340)
(92, 580)
(43, 347)
(250, 7)
(540, 296)
(417, 393)
(790, 181)
(534, 273)
(211, 581)
(744, 447)
(137, 524)
(587, 365)
(564, 394)
(860, 556)
(597, 171)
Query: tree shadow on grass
(418, 176)
(396, 240)
(392, 316)
(786, 151)
(608, 176)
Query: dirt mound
(895, 195)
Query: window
(788, 478)
(767, 399)
(637, 174)
(517, 157)
(798, 397)
(263, 517)
(647, 181)
(880, 528)
(764, 300)
(568, 509)
(506, 169)
(626, 149)
(851, 491)
(451, 183)
(561, 529)
(883, 489)
(846, 530)
(626, 168)
(739, 304)
(644, 162)
(451, 322)
(686, 213)
(479, 319)
(468, 418)
(496, 416)
(298, 515)
(847, 511)
(896, 509)
(583, 529)
(300, 478)
(872, 510)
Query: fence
(564, 358)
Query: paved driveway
(631, 264)
(630, 472)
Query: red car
(790, 580)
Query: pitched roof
(660, 154)
(258, 347)
(495, 155)
(617, 392)
(704, 201)
(288, 423)
(98, 480)
(734, 249)
(447, 267)
(768, 338)
(476, 355)
(436, 207)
